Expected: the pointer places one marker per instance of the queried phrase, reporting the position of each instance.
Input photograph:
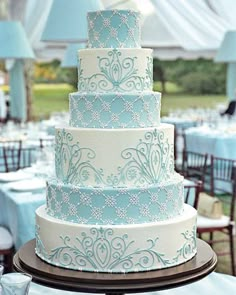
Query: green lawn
(50, 98)
(184, 101)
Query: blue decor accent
(67, 23)
(227, 54)
(227, 50)
(115, 205)
(150, 161)
(116, 74)
(115, 110)
(70, 59)
(231, 81)
(114, 29)
(18, 102)
(14, 42)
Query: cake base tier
(25, 260)
(116, 248)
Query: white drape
(173, 28)
(192, 23)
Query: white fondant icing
(136, 164)
(122, 70)
(116, 248)
(115, 157)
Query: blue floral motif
(73, 162)
(116, 74)
(149, 162)
(100, 250)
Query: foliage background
(200, 76)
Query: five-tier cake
(116, 203)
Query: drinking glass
(15, 283)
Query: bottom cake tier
(116, 248)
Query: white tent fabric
(192, 23)
(173, 28)
(179, 28)
(225, 9)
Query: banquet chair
(179, 147)
(46, 142)
(223, 173)
(194, 166)
(192, 189)
(10, 155)
(6, 249)
(27, 157)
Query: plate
(28, 185)
(14, 176)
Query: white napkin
(27, 185)
(14, 176)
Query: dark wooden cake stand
(25, 260)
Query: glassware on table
(15, 283)
(1, 270)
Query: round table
(25, 260)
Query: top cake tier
(114, 29)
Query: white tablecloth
(213, 284)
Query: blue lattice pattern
(115, 205)
(115, 110)
(114, 29)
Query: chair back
(194, 165)
(192, 190)
(27, 157)
(10, 155)
(223, 181)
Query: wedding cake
(116, 203)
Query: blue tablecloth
(214, 284)
(211, 141)
(180, 123)
(17, 213)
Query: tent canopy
(173, 28)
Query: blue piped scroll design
(190, 245)
(102, 250)
(151, 161)
(39, 244)
(72, 162)
(116, 74)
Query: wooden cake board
(25, 260)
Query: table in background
(18, 213)
(180, 123)
(214, 141)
